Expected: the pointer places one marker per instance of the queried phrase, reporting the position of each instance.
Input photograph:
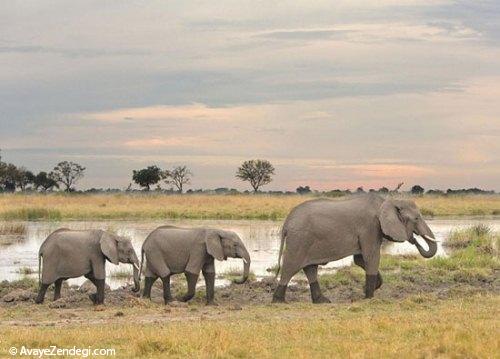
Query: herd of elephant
(314, 233)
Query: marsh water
(260, 237)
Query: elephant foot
(212, 303)
(321, 300)
(379, 281)
(93, 298)
(316, 295)
(279, 294)
(166, 300)
(186, 297)
(39, 301)
(370, 285)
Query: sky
(336, 94)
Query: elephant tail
(282, 245)
(142, 261)
(39, 268)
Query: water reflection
(261, 239)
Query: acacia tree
(44, 181)
(147, 176)
(417, 189)
(67, 174)
(178, 176)
(24, 178)
(257, 172)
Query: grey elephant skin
(320, 231)
(69, 254)
(171, 250)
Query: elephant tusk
(136, 266)
(429, 239)
(244, 260)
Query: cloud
(335, 94)
(68, 52)
(377, 32)
(194, 111)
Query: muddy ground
(17, 305)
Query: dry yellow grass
(157, 206)
(416, 327)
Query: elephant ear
(390, 222)
(214, 245)
(109, 247)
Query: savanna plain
(446, 306)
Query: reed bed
(159, 206)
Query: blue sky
(335, 94)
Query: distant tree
(303, 190)
(67, 174)
(257, 172)
(417, 189)
(8, 176)
(44, 181)
(178, 176)
(147, 176)
(24, 178)
(383, 190)
(360, 190)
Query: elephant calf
(171, 250)
(70, 254)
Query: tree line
(66, 174)
(258, 173)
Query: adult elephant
(320, 231)
(172, 250)
(69, 254)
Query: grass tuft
(26, 271)
(235, 273)
(13, 229)
(121, 274)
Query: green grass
(235, 273)
(474, 259)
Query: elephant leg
(41, 293)
(209, 287)
(167, 297)
(359, 261)
(288, 271)
(57, 289)
(371, 263)
(149, 281)
(312, 277)
(191, 282)
(100, 284)
(98, 297)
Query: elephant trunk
(246, 266)
(425, 232)
(427, 253)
